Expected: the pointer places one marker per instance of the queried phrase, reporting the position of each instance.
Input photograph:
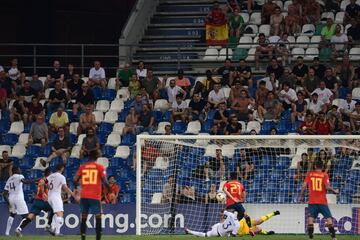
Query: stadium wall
(120, 219)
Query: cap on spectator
(334, 107)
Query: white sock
(199, 234)
(9, 224)
(58, 224)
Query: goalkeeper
(255, 229)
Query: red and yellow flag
(217, 34)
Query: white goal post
(176, 176)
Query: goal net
(179, 177)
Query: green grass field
(188, 237)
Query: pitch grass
(189, 237)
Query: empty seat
(102, 106)
(161, 105)
(161, 127)
(255, 18)
(265, 29)
(17, 127)
(193, 127)
(245, 42)
(226, 91)
(99, 116)
(122, 152)
(75, 152)
(23, 139)
(211, 54)
(280, 4)
(311, 53)
(47, 92)
(337, 102)
(103, 161)
(347, 27)
(18, 151)
(73, 128)
(327, 15)
(286, 5)
(123, 93)
(112, 83)
(296, 52)
(339, 18)
(354, 53)
(118, 127)
(343, 4)
(302, 41)
(117, 105)
(111, 117)
(251, 55)
(114, 140)
(245, 17)
(315, 40)
(38, 165)
(161, 163)
(254, 30)
(225, 53)
(80, 139)
(273, 39)
(253, 125)
(356, 93)
(308, 29)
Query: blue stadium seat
(157, 116)
(207, 126)
(127, 198)
(167, 116)
(284, 126)
(286, 115)
(102, 138)
(123, 115)
(73, 138)
(108, 151)
(74, 163)
(47, 150)
(34, 151)
(178, 127)
(97, 93)
(109, 94)
(266, 126)
(70, 115)
(343, 91)
(27, 128)
(4, 126)
(211, 114)
(35, 174)
(10, 139)
(128, 139)
(26, 163)
(105, 128)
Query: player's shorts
(40, 205)
(244, 228)
(239, 208)
(90, 206)
(18, 206)
(315, 209)
(56, 204)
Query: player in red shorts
(91, 175)
(317, 183)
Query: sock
(267, 216)
(98, 228)
(263, 232)
(59, 221)
(9, 224)
(248, 220)
(331, 230)
(24, 222)
(311, 231)
(83, 228)
(199, 234)
(50, 218)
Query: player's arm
(329, 188)
(28, 181)
(6, 196)
(65, 188)
(106, 184)
(229, 195)
(301, 197)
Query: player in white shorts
(14, 196)
(57, 183)
(229, 227)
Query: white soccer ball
(220, 196)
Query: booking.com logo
(344, 225)
(118, 221)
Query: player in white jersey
(57, 183)
(229, 227)
(14, 196)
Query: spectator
(331, 81)
(182, 81)
(90, 143)
(339, 43)
(271, 83)
(84, 98)
(326, 159)
(272, 108)
(138, 104)
(299, 108)
(287, 77)
(267, 10)
(111, 197)
(264, 50)
(275, 67)
(310, 82)
(3, 99)
(236, 22)
(276, 22)
(211, 195)
(35, 108)
(235, 91)
(38, 132)
(300, 70)
(205, 86)
(221, 117)
(141, 71)
(74, 86)
(216, 165)
(179, 110)
(287, 96)
(131, 122)
(261, 94)
(335, 119)
(234, 127)
(328, 30)
(61, 147)
(196, 108)
(216, 96)
(347, 107)
(319, 68)
(294, 18)
(243, 71)
(167, 129)
(173, 90)
(312, 11)
(5, 83)
(56, 74)
(215, 130)
(325, 95)
(303, 167)
(167, 193)
(282, 48)
(351, 11)
(123, 76)
(245, 166)
(226, 72)
(346, 72)
(57, 98)
(14, 73)
(242, 105)
(6, 165)
(254, 5)
(216, 16)
(187, 195)
(69, 73)
(19, 110)
(147, 119)
(149, 154)
(37, 86)
(353, 32)
(308, 126)
(134, 85)
(316, 105)
(355, 118)
(59, 119)
(97, 76)
(322, 125)
(151, 84)
(27, 92)
(87, 121)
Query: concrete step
(188, 2)
(170, 49)
(192, 14)
(178, 20)
(176, 25)
(169, 32)
(199, 8)
(172, 38)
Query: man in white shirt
(325, 94)
(14, 196)
(315, 105)
(179, 110)
(57, 184)
(287, 96)
(172, 91)
(216, 96)
(339, 43)
(97, 76)
(270, 82)
(347, 106)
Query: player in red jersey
(317, 183)
(91, 175)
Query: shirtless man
(267, 10)
(311, 11)
(263, 50)
(87, 120)
(276, 21)
(293, 19)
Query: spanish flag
(217, 35)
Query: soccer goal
(179, 178)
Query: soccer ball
(220, 196)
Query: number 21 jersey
(90, 175)
(14, 186)
(235, 189)
(316, 182)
